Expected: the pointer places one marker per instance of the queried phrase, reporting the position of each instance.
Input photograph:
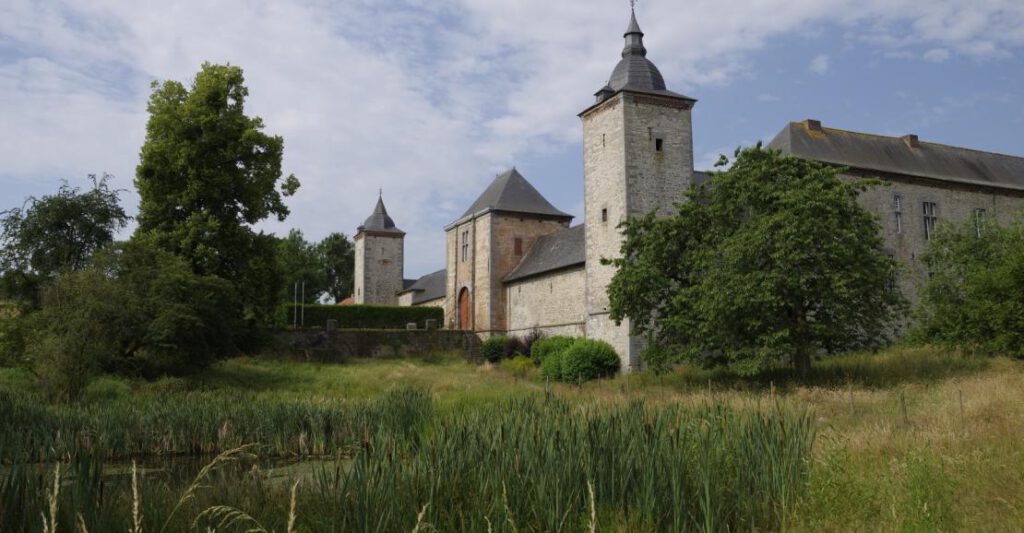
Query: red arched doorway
(465, 314)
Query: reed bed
(524, 464)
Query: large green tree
(135, 309)
(207, 173)
(974, 298)
(56, 233)
(326, 267)
(338, 256)
(771, 260)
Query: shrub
(493, 349)
(588, 359)
(528, 341)
(519, 365)
(544, 347)
(361, 316)
(514, 347)
(106, 388)
(551, 366)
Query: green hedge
(362, 316)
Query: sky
(430, 99)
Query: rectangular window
(658, 144)
(930, 218)
(979, 222)
(897, 207)
(465, 246)
(604, 214)
(518, 245)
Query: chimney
(911, 141)
(812, 125)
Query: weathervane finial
(632, 4)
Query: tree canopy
(771, 260)
(974, 298)
(56, 233)
(207, 172)
(325, 267)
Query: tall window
(518, 246)
(979, 221)
(897, 208)
(465, 246)
(930, 218)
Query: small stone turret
(380, 250)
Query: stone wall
(378, 269)
(954, 203)
(626, 175)
(505, 229)
(338, 346)
(551, 303)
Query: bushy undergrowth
(522, 464)
(500, 347)
(574, 360)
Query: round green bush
(493, 349)
(551, 366)
(541, 348)
(588, 359)
(105, 389)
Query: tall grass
(521, 464)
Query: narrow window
(897, 207)
(930, 218)
(979, 222)
(604, 214)
(602, 140)
(518, 245)
(658, 144)
(465, 246)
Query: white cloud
(819, 65)
(936, 55)
(425, 98)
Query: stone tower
(379, 259)
(637, 156)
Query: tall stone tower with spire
(637, 157)
(380, 247)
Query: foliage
(326, 267)
(974, 298)
(544, 347)
(492, 350)
(56, 233)
(588, 359)
(551, 365)
(134, 309)
(640, 467)
(360, 316)
(772, 259)
(532, 337)
(519, 365)
(12, 337)
(106, 389)
(207, 173)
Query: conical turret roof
(379, 221)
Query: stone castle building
(515, 263)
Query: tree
(207, 172)
(974, 298)
(301, 262)
(56, 233)
(135, 309)
(338, 256)
(772, 260)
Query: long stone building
(515, 263)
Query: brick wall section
(550, 303)
(625, 175)
(378, 268)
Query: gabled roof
(429, 287)
(379, 221)
(512, 193)
(899, 155)
(552, 252)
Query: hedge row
(361, 316)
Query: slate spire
(634, 38)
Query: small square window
(604, 214)
(658, 143)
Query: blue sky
(429, 99)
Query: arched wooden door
(464, 310)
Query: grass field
(910, 439)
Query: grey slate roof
(379, 221)
(700, 176)
(894, 155)
(511, 192)
(429, 287)
(635, 72)
(552, 252)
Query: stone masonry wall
(378, 270)
(505, 229)
(550, 303)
